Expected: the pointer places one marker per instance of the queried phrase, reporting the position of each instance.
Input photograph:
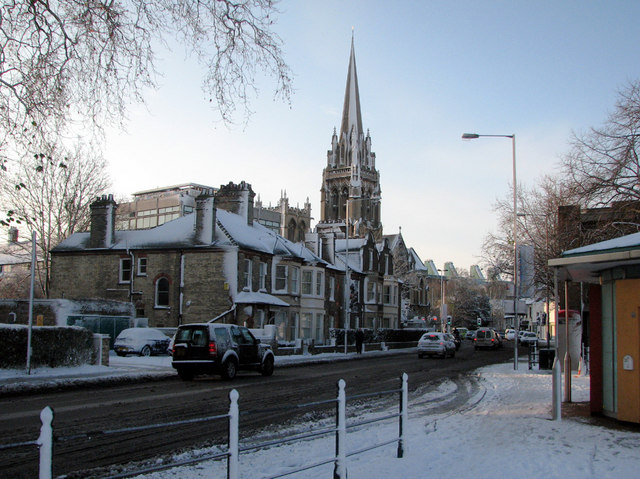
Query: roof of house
(232, 230)
(585, 263)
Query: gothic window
(343, 201)
(301, 230)
(162, 293)
(291, 230)
(334, 204)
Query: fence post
(45, 443)
(340, 468)
(404, 414)
(234, 434)
(556, 393)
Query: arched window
(302, 229)
(334, 204)
(162, 293)
(291, 230)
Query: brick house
(214, 262)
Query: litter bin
(546, 358)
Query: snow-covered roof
(393, 240)
(622, 243)
(587, 262)
(248, 297)
(177, 233)
(14, 258)
(354, 244)
(419, 265)
(232, 230)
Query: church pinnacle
(350, 177)
(351, 115)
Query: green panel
(609, 347)
(111, 325)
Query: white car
(436, 344)
(529, 339)
(510, 334)
(142, 341)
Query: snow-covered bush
(51, 346)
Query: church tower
(351, 172)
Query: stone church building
(226, 256)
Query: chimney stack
(13, 235)
(103, 222)
(205, 225)
(236, 199)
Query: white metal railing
(234, 448)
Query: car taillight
(475, 339)
(492, 340)
(212, 349)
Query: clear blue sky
(428, 71)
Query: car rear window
(432, 337)
(222, 337)
(197, 335)
(481, 334)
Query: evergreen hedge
(51, 346)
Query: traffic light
(449, 320)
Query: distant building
(290, 222)
(151, 208)
(15, 268)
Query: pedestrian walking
(359, 340)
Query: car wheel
(267, 367)
(185, 374)
(229, 369)
(146, 351)
(120, 354)
(453, 354)
(476, 348)
(420, 355)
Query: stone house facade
(215, 262)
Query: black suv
(209, 348)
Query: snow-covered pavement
(503, 429)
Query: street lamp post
(473, 136)
(347, 279)
(443, 306)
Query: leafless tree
(70, 61)
(52, 198)
(603, 162)
(537, 225)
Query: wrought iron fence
(233, 447)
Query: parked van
(486, 338)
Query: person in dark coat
(359, 340)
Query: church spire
(351, 116)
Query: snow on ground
(503, 430)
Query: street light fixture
(443, 306)
(473, 136)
